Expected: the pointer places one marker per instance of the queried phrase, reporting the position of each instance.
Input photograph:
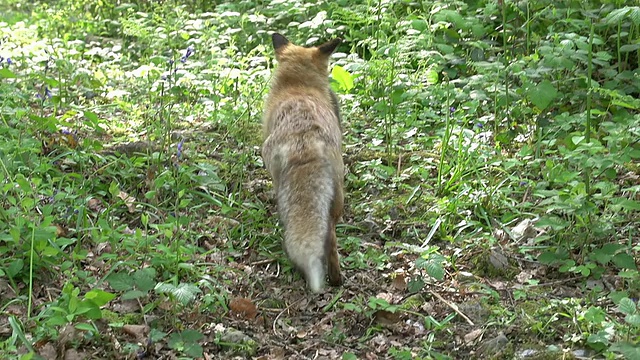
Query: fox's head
(313, 58)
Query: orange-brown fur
(303, 152)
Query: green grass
(135, 192)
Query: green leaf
(85, 327)
(629, 350)
(629, 48)
(120, 281)
(633, 320)
(415, 284)
(144, 279)
(342, 77)
(542, 94)
(419, 24)
(194, 350)
(548, 258)
(432, 76)
(91, 117)
(624, 261)
(627, 306)
(554, 222)
(595, 315)
(349, 356)
(191, 336)
(435, 270)
(89, 309)
(627, 204)
(15, 267)
(133, 294)
(185, 293)
(99, 297)
(7, 74)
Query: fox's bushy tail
(305, 198)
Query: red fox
(302, 151)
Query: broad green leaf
(185, 293)
(85, 327)
(120, 281)
(191, 335)
(629, 48)
(91, 116)
(628, 204)
(542, 95)
(595, 315)
(342, 77)
(633, 320)
(548, 257)
(627, 306)
(349, 356)
(99, 297)
(133, 294)
(194, 350)
(143, 281)
(629, 350)
(435, 270)
(7, 74)
(624, 261)
(432, 76)
(419, 24)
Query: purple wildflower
(452, 109)
(523, 183)
(9, 61)
(187, 53)
(479, 125)
(179, 152)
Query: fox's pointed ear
(329, 47)
(279, 41)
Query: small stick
(453, 306)
(275, 332)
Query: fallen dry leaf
(129, 201)
(399, 282)
(243, 307)
(136, 331)
(95, 205)
(471, 337)
(384, 317)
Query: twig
(262, 262)
(275, 321)
(453, 306)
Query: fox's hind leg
(331, 251)
(335, 277)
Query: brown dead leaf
(399, 282)
(524, 230)
(95, 205)
(384, 317)
(103, 247)
(524, 276)
(61, 231)
(498, 259)
(471, 337)
(129, 201)
(48, 351)
(73, 354)
(386, 297)
(139, 332)
(243, 307)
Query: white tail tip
(315, 274)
